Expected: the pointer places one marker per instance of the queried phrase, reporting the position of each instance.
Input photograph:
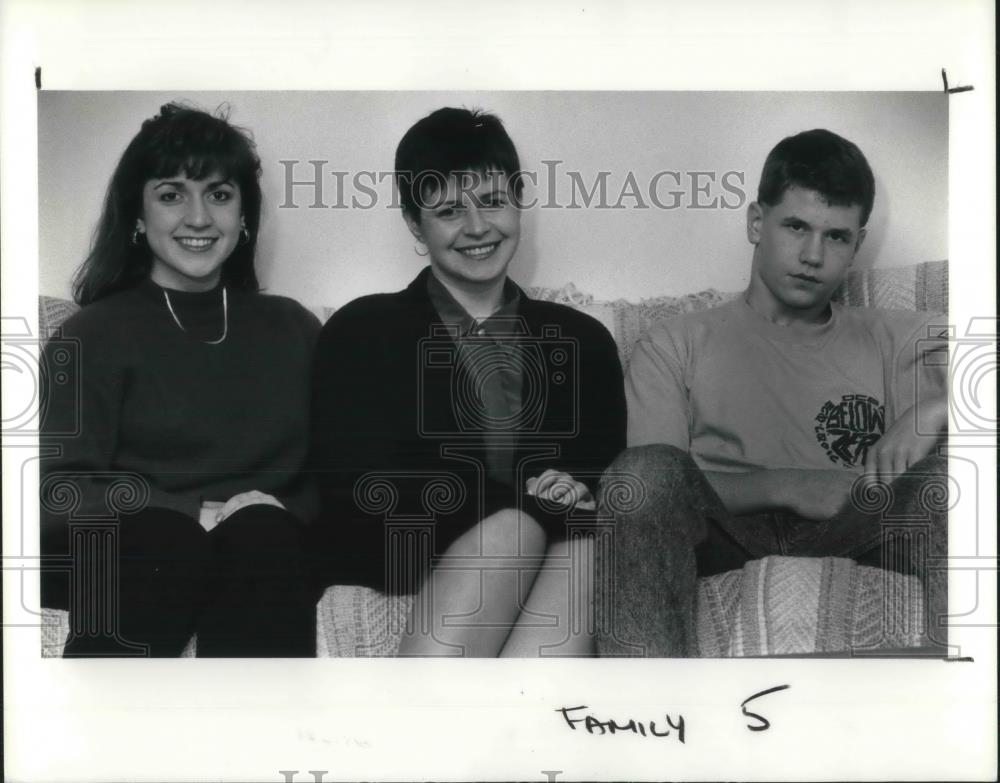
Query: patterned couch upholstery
(774, 606)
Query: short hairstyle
(180, 139)
(822, 161)
(450, 141)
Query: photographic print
(645, 235)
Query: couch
(773, 606)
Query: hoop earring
(416, 249)
(244, 231)
(135, 235)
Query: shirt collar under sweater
(452, 313)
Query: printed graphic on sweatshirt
(847, 429)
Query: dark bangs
(452, 141)
(198, 147)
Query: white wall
(328, 256)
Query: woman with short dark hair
(460, 427)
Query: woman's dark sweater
(197, 422)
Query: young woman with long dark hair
(183, 417)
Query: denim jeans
(670, 527)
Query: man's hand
(559, 487)
(902, 446)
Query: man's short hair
(822, 161)
(450, 141)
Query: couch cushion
(359, 622)
(51, 313)
(800, 605)
(922, 287)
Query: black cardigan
(385, 436)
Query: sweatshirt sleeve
(656, 389)
(915, 347)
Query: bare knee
(508, 533)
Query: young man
(750, 423)
(458, 422)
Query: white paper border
(494, 720)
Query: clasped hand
(560, 487)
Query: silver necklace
(225, 317)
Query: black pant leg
(261, 601)
(149, 594)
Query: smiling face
(192, 227)
(471, 227)
(804, 248)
